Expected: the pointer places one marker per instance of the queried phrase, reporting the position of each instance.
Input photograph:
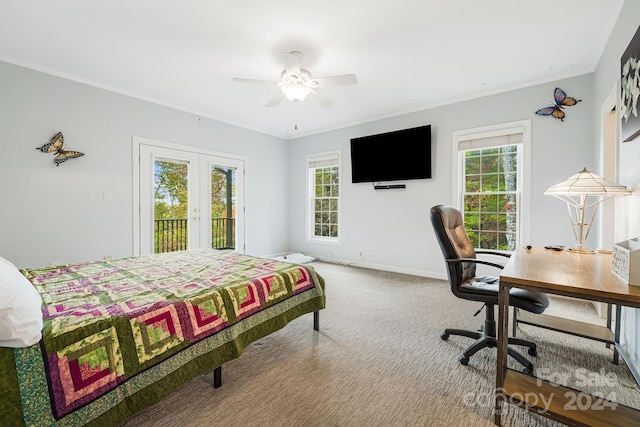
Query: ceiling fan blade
(267, 82)
(292, 62)
(347, 79)
(321, 99)
(275, 100)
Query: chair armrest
(475, 261)
(490, 252)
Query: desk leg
(609, 314)
(503, 339)
(616, 334)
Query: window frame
(498, 131)
(328, 158)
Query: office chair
(461, 260)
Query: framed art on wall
(630, 89)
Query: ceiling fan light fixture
(296, 91)
(296, 83)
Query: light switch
(106, 196)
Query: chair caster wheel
(533, 352)
(463, 360)
(527, 371)
(444, 336)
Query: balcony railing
(172, 234)
(223, 233)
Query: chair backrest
(454, 242)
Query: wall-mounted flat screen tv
(392, 156)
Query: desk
(584, 276)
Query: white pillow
(4, 261)
(20, 308)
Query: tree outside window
(325, 201)
(490, 197)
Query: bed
(120, 335)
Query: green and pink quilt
(120, 335)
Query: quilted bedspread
(119, 335)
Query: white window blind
(491, 141)
(323, 161)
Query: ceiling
(407, 54)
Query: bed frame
(217, 372)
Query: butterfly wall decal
(55, 146)
(562, 100)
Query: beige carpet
(378, 360)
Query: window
(324, 197)
(491, 167)
(490, 197)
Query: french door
(188, 199)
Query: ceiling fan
(296, 83)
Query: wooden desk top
(586, 276)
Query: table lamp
(575, 192)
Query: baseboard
(382, 267)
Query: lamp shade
(296, 91)
(586, 183)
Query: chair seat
(487, 286)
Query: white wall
(607, 76)
(394, 226)
(50, 213)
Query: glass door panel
(223, 207)
(170, 205)
(223, 190)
